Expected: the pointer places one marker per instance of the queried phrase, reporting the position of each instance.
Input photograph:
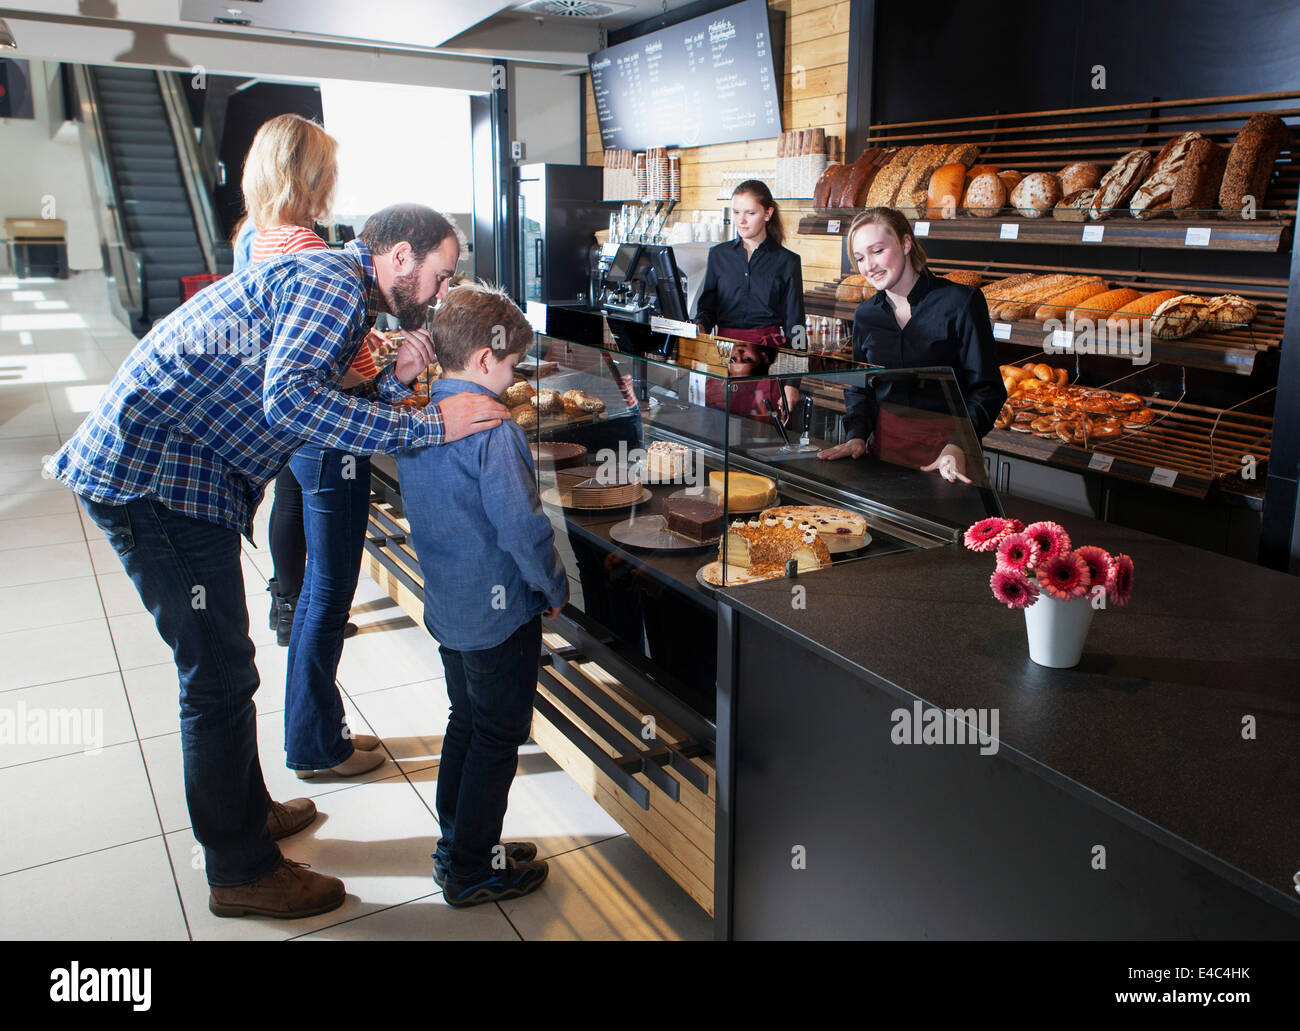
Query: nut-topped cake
(762, 547)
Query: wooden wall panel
(815, 96)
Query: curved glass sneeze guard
(617, 435)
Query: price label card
(1009, 231)
(1163, 477)
(1093, 234)
(1002, 331)
(832, 225)
(695, 388)
(1197, 236)
(1063, 340)
(920, 228)
(1100, 462)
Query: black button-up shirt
(949, 326)
(744, 292)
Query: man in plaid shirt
(173, 461)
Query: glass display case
(666, 483)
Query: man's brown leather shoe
(289, 891)
(285, 818)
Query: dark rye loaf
(1250, 162)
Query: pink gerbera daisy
(1119, 587)
(1013, 588)
(987, 533)
(1099, 564)
(1064, 577)
(1052, 539)
(1018, 552)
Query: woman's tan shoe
(357, 763)
(365, 742)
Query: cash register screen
(624, 262)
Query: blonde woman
(322, 496)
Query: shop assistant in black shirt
(743, 292)
(949, 326)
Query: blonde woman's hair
(896, 222)
(290, 173)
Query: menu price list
(707, 80)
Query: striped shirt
(214, 400)
(290, 239)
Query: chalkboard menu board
(703, 81)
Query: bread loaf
(1120, 183)
(1141, 307)
(985, 196)
(1035, 195)
(1232, 308)
(850, 288)
(856, 182)
(1154, 194)
(1001, 289)
(1010, 179)
(1103, 304)
(945, 191)
(1250, 163)
(961, 154)
(1081, 175)
(1029, 303)
(965, 278)
(975, 170)
(822, 191)
(1057, 306)
(1179, 317)
(912, 190)
(1196, 190)
(1036, 290)
(885, 185)
(1074, 207)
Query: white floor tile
(126, 893)
(38, 530)
(40, 505)
(410, 720)
(396, 651)
(428, 919)
(54, 653)
(67, 718)
(34, 605)
(58, 808)
(154, 694)
(102, 555)
(137, 641)
(377, 837)
(611, 891)
(25, 417)
(29, 479)
(27, 452)
(43, 564)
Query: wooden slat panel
(819, 53)
(818, 24)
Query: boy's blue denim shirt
(485, 547)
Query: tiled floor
(96, 841)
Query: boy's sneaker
(519, 851)
(516, 880)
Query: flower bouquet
(1058, 586)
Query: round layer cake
(835, 523)
(557, 454)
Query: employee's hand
(414, 355)
(463, 414)
(854, 447)
(555, 610)
(951, 464)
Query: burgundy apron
(914, 439)
(747, 398)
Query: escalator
(156, 216)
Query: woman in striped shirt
(322, 496)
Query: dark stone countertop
(1147, 727)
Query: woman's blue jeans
(335, 507)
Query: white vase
(1057, 630)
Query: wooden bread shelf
(1268, 233)
(1221, 348)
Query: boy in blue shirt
(490, 572)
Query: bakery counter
(1151, 792)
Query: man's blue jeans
(335, 508)
(188, 575)
(491, 694)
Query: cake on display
(745, 492)
(833, 523)
(597, 486)
(693, 518)
(666, 461)
(762, 547)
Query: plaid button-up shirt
(214, 400)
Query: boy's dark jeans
(491, 693)
(188, 574)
